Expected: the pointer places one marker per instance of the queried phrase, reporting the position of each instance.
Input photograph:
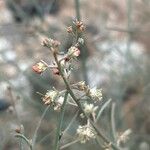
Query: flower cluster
(95, 94)
(50, 43)
(89, 108)
(39, 67)
(73, 52)
(78, 26)
(85, 133)
(50, 97)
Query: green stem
(69, 144)
(59, 127)
(25, 139)
(102, 109)
(83, 48)
(38, 126)
(113, 126)
(77, 7)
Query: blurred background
(116, 58)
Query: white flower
(85, 133)
(90, 108)
(50, 97)
(73, 52)
(58, 103)
(95, 94)
(60, 100)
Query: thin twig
(71, 122)
(38, 126)
(113, 126)
(25, 139)
(69, 144)
(59, 127)
(102, 109)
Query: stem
(113, 121)
(83, 48)
(77, 7)
(69, 144)
(25, 139)
(38, 126)
(102, 109)
(79, 105)
(71, 122)
(59, 127)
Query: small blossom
(39, 68)
(72, 53)
(95, 94)
(50, 43)
(58, 103)
(81, 85)
(89, 108)
(80, 26)
(50, 97)
(85, 133)
(81, 41)
(69, 29)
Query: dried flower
(50, 97)
(81, 85)
(40, 67)
(58, 103)
(73, 52)
(80, 26)
(50, 43)
(85, 133)
(90, 108)
(95, 94)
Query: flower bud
(40, 67)
(73, 52)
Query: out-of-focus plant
(80, 95)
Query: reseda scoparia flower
(40, 67)
(73, 52)
(85, 133)
(89, 108)
(50, 97)
(48, 42)
(95, 94)
(58, 103)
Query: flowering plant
(87, 103)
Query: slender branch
(59, 127)
(102, 109)
(113, 126)
(71, 122)
(25, 139)
(46, 136)
(38, 126)
(77, 7)
(69, 144)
